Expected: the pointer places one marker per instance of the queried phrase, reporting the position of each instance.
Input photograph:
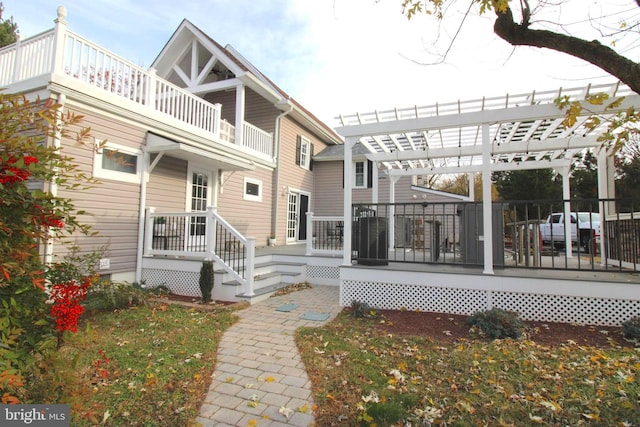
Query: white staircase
(271, 273)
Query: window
(252, 190)
(363, 174)
(304, 152)
(117, 162)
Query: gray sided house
(200, 156)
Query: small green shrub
(631, 328)
(497, 323)
(105, 296)
(206, 280)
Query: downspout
(276, 182)
(53, 186)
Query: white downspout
(276, 183)
(53, 186)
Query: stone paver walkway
(259, 370)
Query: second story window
(304, 151)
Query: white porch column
(566, 195)
(487, 211)
(472, 186)
(240, 99)
(347, 198)
(392, 211)
(59, 41)
(374, 184)
(606, 190)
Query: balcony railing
(452, 233)
(201, 235)
(63, 53)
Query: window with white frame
(117, 162)
(304, 151)
(360, 175)
(252, 189)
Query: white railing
(59, 51)
(201, 235)
(100, 68)
(327, 235)
(26, 59)
(257, 140)
(186, 107)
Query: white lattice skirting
(178, 282)
(592, 303)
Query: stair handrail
(249, 242)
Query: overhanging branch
(591, 51)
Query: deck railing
(61, 52)
(201, 235)
(452, 233)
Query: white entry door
(297, 208)
(200, 199)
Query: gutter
(283, 103)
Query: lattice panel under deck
(179, 282)
(323, 272)
(567, 309)
(423, 298)
(539, 307)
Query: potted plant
(272, 239)
(159, 224)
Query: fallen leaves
(502, 382)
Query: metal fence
(601, 235)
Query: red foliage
(66, 306)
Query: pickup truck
(585, 226)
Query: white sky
(338, 56)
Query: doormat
(318, 317)
(287, 307)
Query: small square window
(116, 162)
(252, 190)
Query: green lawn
(149, 365)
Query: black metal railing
(525, 234)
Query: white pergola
(481, 136)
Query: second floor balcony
(62, 57)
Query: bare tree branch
(591, 51)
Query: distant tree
(8, 29)
(459, 184)
(584, 179)
(628, 176)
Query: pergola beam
(477, 118)
(521, 147)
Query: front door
(297, 208)
(200, 199)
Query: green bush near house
(631, 328)
(497, 323)
(206, 280)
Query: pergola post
(566, 195)
(487, 211)
(348, 197)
